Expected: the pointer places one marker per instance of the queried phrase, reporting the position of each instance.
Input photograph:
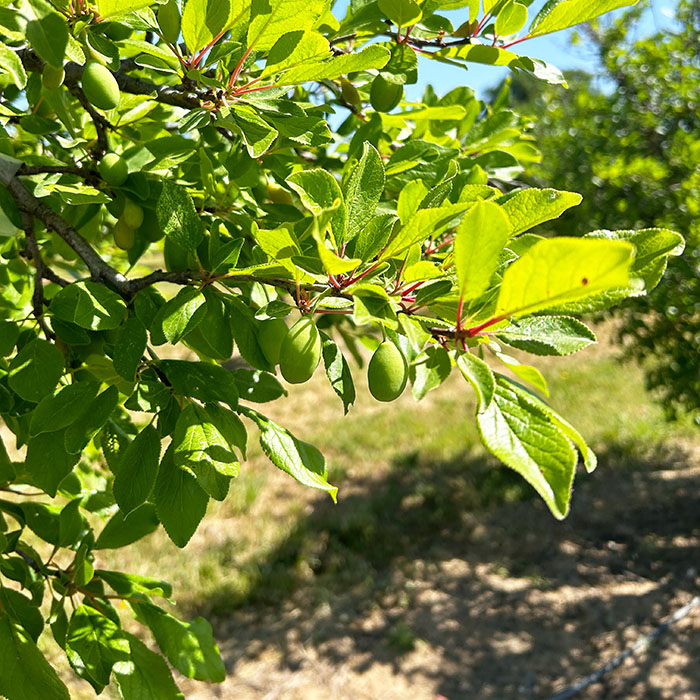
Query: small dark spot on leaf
(584, 281)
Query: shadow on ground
(451, 578)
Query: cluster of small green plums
(297, 351)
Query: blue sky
(553, 48)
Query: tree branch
(26, 202)
(175, 95)
(101, 123)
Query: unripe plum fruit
(271, 335)
(132, 214)
(117, 31)
(123, 234)
(100, 86)
(387, 372)
(113, 169)
(300, 352)
(278, 195)
(349, 92)
(384, 94)
(52, 77)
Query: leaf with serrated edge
(524, 437)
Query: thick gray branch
(26, 202)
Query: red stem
(482, 23)
(198, 60)
(513, 43)
(239, 66)
(256, 89)
(475, 330)
(352, 280)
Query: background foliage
(628, 140)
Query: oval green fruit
(100, 86)
(278, 195)
(52, 77)
(132, 214)
(113, 169)
(349, 92)
(169, 21)
(117, 31)
(300, 352)
(387, 372)
(385, 94)
(271, 335)
(124, 235)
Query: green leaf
(294, 49)
(180, 501)
(129, 585)
(363, 191)
(523, 436)
(372, 304)
(257, 386)
(137, 471)
(423, 224)
(59, 410)
(89, 305)
(528, 208)
(35, 370)
(181, 314)
(203, 20)
(333, 264)
(47, 462)
(201, 380)
(145, 676)
(121, 531)
(189, 646)
(479, 241)
(319, 191)
(26, 674)
(401, 12)
(258, 135)
(371, 57)
(511, 19)
(109, 8)
(271, 19)
(527, 373)
(47, 31)
(559, 270)
(22, 611)
(11, 63)
(548, 335)
(560, 14)
(203, 442)
(338, 372)
(177, 216)
(299, 459)
(9, 333)
(480, 376)
(429, 370)
(93, 416)
(93, 645)
(129, 348)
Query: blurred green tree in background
(632, 149)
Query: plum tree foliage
(169, 177)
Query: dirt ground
(504, 604)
